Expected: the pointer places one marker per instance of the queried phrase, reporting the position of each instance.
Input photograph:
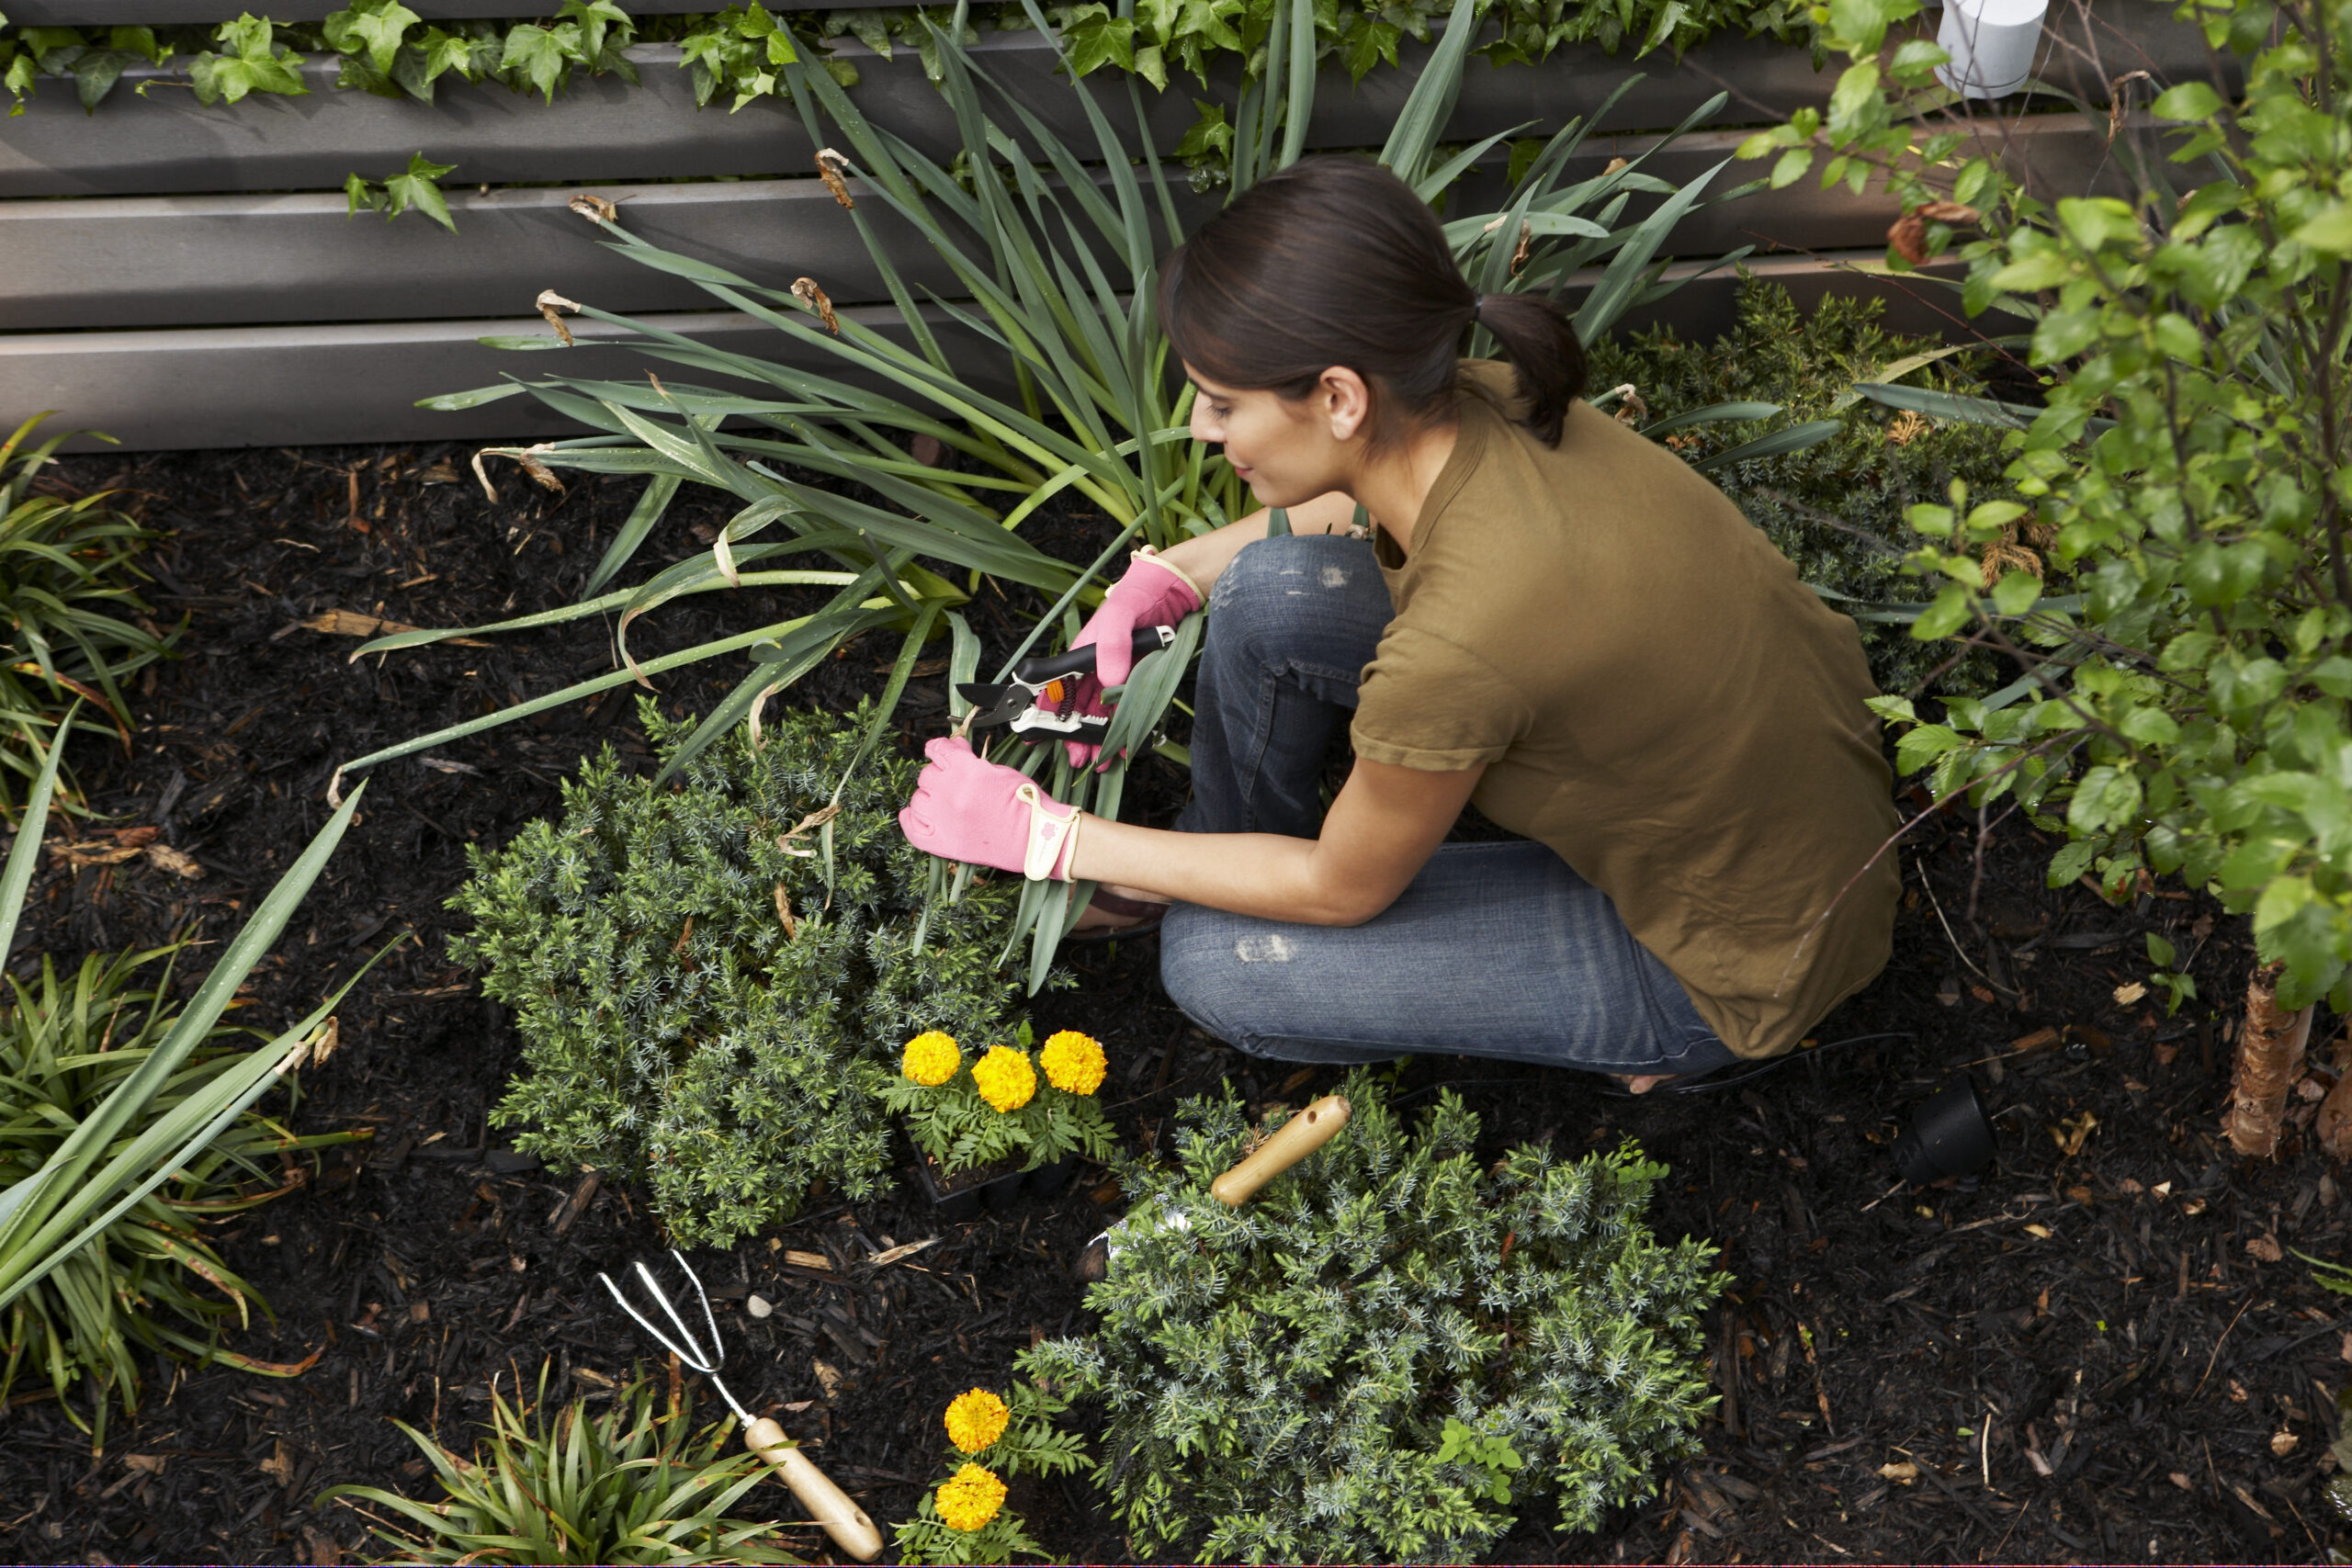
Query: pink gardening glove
(1152, 593)
(983, 813)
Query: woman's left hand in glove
(982, 813)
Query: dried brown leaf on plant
(2014, 548)
(2270, 1058)
(549, 302)
(1908, 236)
(1525, 248)
(594, 207)
(831, 166)
(1907, 427)
(1631, 410)
(805, 291)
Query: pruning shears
(1041, 700)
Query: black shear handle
(1038, 669)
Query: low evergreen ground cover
(1389, 1352)
(713, 980)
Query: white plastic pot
(1992, 44)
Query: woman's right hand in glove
(1153, 593)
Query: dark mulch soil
(2085, 1355)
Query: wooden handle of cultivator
(1298, 1137)
(826, 1503)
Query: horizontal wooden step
(291, 386)
(601, 128)
(226, 260)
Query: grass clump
(628, 1486)
(67, 571)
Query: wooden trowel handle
(1298, 1137)
(826, 1503)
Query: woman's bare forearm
(1203, 559)
(1377, 837)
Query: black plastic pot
(995, 1194)
(1949, 1136)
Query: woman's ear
(1345, 401)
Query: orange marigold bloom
(1006, 1079)
(970, 1497)
(977, 1419)
(1073, 1062)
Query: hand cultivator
(830, 1505)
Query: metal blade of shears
(994, 703)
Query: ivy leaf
(373, 27)
(535, 55)
(592, 16)
(417, 188)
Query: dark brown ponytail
(1334, 261)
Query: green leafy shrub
(1000, 1104)
(963, 1519)
(66, 574)
(2190, 712)
(1281, 1382)
(1836, 509)
(709, 978)
(628, 1486)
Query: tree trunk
(2270, 1058)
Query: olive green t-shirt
(1657, 697)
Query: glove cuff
(1051, 843)
(1152, 553)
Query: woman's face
(1288, 451)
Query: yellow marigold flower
(931, 1059)
(970, 1497)
(975, 1419)
(1073, 1062)
(1005, 1078)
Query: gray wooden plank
(118, 262)
(281, 386)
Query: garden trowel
(1292, 1142)
(1041, 700)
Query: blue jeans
(1495, 949)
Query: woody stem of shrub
(2270, 1058)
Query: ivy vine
(386, 48)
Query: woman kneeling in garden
(1555, 618)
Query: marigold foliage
(964, 1519)
(710, 989)
(931, 1058)
(977, 1419)
(1278, 1381)
(1005, 1078)
(1073, 1062)
(994, 1108)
